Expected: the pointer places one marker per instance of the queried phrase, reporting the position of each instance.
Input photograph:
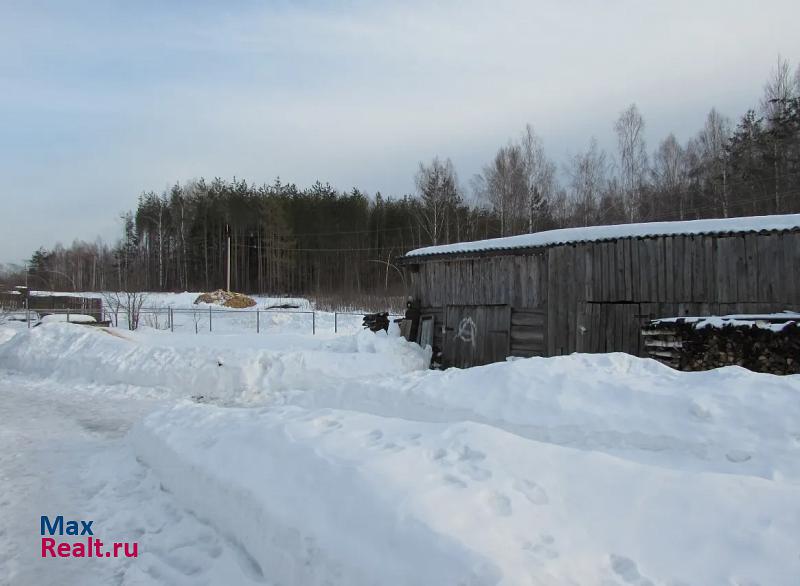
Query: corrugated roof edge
(452, 251)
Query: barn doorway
(609, 327)
(476, 334)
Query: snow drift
(725, 420)
(340, 497)
(243, 368)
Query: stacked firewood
(376, 322)
(685, 346)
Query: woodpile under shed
(761, 343)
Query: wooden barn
(591, 289)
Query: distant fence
(207, 319)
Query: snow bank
(592, 233)
(239, 368)
(339, 497)
(726, 420)
(305, 516)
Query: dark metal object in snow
(376, 322)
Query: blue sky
(102, 100)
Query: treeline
(319, 240)
(283, 240)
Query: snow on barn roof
(596, 233)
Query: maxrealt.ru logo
(87, 547)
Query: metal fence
(207, 319)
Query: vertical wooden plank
(791, 258)
(645, 270)
(751, 263)
(766, 268)
(782, 276)
(698, 269)
(552, 303)
(574, 286)
(720, 258)
(675, 268)
(588, 271)
(597, 272)
(600, 249)
(669, 264)
(659, 245)
(635, 270)
(709, 251)
(533, 292)
(619, 269)
(629, 270)
(542, 275)
(740, 261)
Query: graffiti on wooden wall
(467, 331)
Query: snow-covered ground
(293, 459)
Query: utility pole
(228, 233)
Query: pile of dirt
(226, 299)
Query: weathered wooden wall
(594, 296)
(53, 304)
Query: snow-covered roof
(595, 233)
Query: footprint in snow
(438, 455)
(543, 550)
(626, 569)
(498, 503)
(467, 454)
(531, 491)
(392, 447)
(699, 411)
(373, 437)
(737, 456)
(474, 472)
(454, 481)
(327, 423)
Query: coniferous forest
(320, 241)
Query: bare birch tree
(588, 175)
(670, 173)
(632, 158)
(712, 141)
(504, 186)
(539, 176)
(437, 187)
(780, 87)
(778, 91)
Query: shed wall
(593, 296)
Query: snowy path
(65, 452)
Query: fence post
(313, 323)
(258, 322)
(209, 319)
(171, 321)
(28, 313)
(335, 320)
(68, 315)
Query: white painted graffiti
(467, 331)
